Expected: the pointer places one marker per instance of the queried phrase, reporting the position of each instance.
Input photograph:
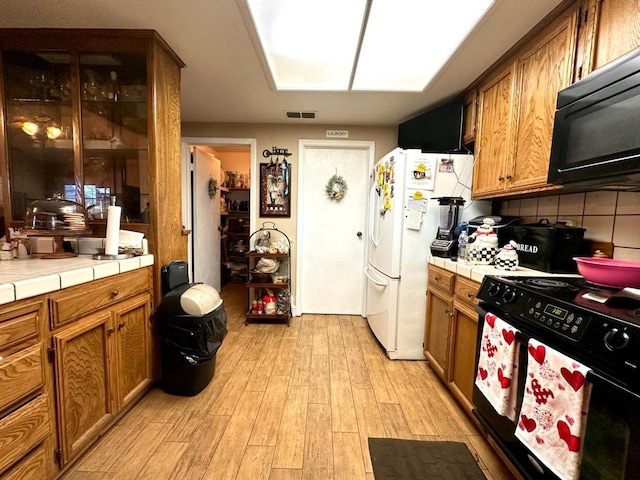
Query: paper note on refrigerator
(415, 211)
(414, 219)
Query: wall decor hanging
(336, 187)
(275, 186)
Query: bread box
(549, 247)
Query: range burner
(548, 283)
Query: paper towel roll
(113, 230)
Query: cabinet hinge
(51, 354)
(57, 454)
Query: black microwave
(596, 134)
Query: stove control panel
(571, 324)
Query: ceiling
(224, 81)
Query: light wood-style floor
(285, 403)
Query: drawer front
(20, 375)
(441, 278)
(466, 290)
(71, 303)
(19, 329)
(19, 323)
(31, 467)
(23, 430)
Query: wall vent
(307, 114)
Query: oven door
(612, 438)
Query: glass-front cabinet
(94, 114)
(76, 122)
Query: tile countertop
(477, 272)
(27, 277)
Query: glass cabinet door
(39, 120)
(50, 96)
(114, 134)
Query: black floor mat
(413, 459)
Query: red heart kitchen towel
(554, 409)
(498, 365)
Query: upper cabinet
(93, 114)
(469, 117)
(516, 112)
(495, 111)
(50, 126)
(616, 27)
(517, 98)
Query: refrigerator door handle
(373, 223)
(380, 283)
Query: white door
(206, 220)
(331, 243)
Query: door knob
(359, 234)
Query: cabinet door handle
(111, 330)
(121, 325)
(114, 293)
(436, 278)
(500, 178)
(509, 177)
(470, 295)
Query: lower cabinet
(83, 383)
(451, 327)
(97, 338)
(462, 341)
(438, 325)
(102, 363)
(25, 405)
(31, 467)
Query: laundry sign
(337, 133)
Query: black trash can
(192, 323)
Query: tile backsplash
(607, 216)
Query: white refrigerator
(403, 220)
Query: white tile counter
(477, 272)
(27, 277)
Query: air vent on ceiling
(308, 114)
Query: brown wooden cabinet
(542, 70)
(83, 383)
(65, 132)
(493, 137)
(450, 331)
(469, 117)
(25, 407)
(516, 113)
(463, 339)
(102, 359)
(615, 29)
(438, 319)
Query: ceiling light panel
(408, 41)
(309, 45)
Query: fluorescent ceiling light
(374, 45)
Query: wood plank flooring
(284, 404)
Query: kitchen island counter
(27, 277)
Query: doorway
(204, 252)
(331, 233)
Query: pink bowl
(609, 272)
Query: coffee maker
(446, 241)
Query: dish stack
(75, 221)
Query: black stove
(599, 326)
